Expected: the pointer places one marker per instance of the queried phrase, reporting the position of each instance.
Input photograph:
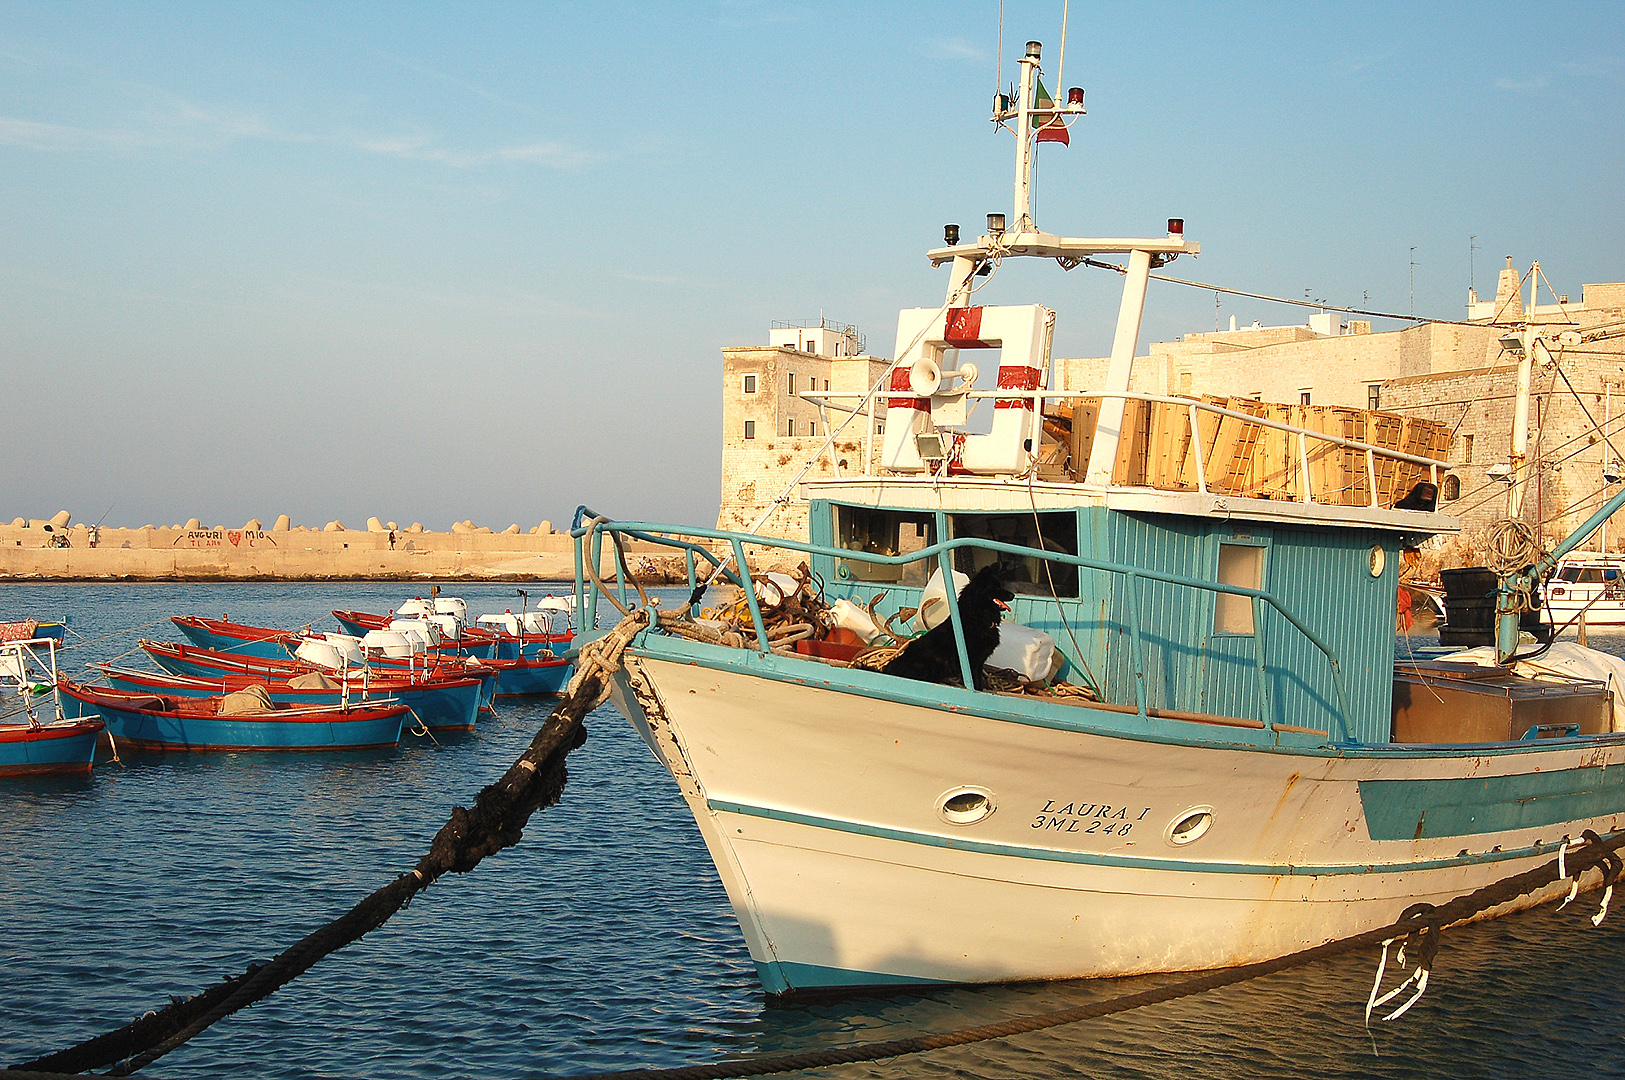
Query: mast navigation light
(1176, 226)
(950, 235)
(1074, 96)
(1033, 49)
(995, 224)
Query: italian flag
(1053, 130)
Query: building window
(826, 384)
(1303, 398)
(792, 384)
(812, 347)
(1450, 490)
(1241, 565)
(750, 384)
(1466, 449)
(790, 428)
(1373, 397)
(750, 429)
(812, 427)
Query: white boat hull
(820, 808)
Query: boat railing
(30, 676)
(588, 530)
(1307, 444)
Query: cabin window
(750, 384)
(750, 429)
(885, 532)
(1025, 575)
(1241, 565)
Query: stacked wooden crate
(1242, 458)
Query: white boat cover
(1564, 660)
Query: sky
(436, 262)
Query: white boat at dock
(1229, 790)
(1590, 582)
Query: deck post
(1109, 428)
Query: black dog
(933, 657)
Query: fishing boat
(32, 630)
(1587, 582)
(546, 630)
(439, 705)
(1202, 771)
(245, 720)
(35, 736)
(414, 669)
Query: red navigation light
(1074, 96)
(1176, 226)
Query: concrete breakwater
(55, 549)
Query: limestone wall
(196, 552)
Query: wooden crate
(1133, 447)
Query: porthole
(1377, 560)
(1190, 826)
(965, 805)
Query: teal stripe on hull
(783, 977)
(1424, 809)
(1136, 862)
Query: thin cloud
(956, 49)
(42, 136)
(1539, 82)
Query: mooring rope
(1420, 925)
(497, 821)
(536, 780)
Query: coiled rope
(496, 821)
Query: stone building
(774, 418)
(1458, 374)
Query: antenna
(1060, 63)
(1472, 278)
(998, 58)
(1413, 281)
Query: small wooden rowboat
(35, 737)
(440, 705)
(245, 720)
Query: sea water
(604, 940)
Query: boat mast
(1023, 238)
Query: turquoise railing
(589, 529)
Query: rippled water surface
(604, 940)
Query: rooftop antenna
(1472, 278)
(1413, 281)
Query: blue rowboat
(161, 722)
(61, 747)
(237, 639)
(443, 705)
(35, 737)
(178, 659)
(532, 676)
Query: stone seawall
(204, 554)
